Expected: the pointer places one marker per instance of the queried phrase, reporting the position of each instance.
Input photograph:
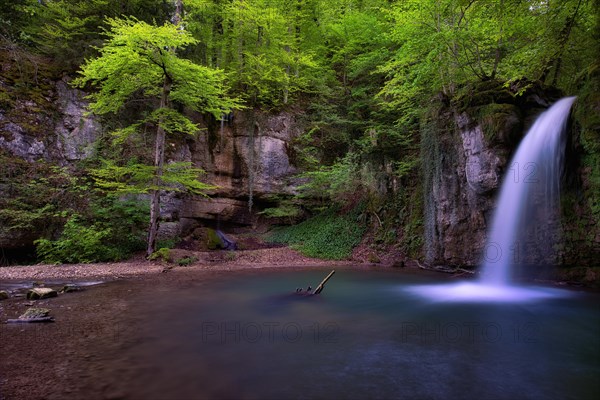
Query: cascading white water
(529, 195)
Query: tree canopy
(363, 72)
(139, 62)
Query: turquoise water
(367, 336)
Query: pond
(368, 335)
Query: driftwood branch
(444, 269)
(319, 288)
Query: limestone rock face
(482, 164)
(466, 152)
(76, 131)
(32, 135)
(249, 158)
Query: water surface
(367, 336)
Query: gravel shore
(271, 257)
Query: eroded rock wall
(249, 157)
(55, 128)
(467, 144)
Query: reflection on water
(242, 336)
(483, 292)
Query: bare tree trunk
(159, 162)
(159, 150)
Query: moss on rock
(501, 123)
(40, 293)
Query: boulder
(33, 314)
(70, 288)
(40, 293)
(4, 295)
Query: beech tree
(139, 61)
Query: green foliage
(78, 244)
(213, 240)
(285, 210)
(185, 261)
(340, 182)
(259, 43)
(442, 44)
(330, 235)
(71, 30)
(33, 195)
(135, 178)
(135, 61)
(111, 231)
(163, 254)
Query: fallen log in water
(30, 320)
(319, 288)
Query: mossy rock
(70, 288)
(163, 254)
(213, 241)
(186, 261)
(482, 93)
(501, 123)
(4, 295)
(40, 293)
(35, 312)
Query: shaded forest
(368, 78)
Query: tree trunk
(159, 161)
(159, 150)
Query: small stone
(41, 293)
(35, 312)
(33, 315)
(70, 288)
(4, 295)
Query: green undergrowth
(110, 230)
(330, 235)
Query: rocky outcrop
(27, 131)
(15, 139)
(466, 148)
(33, 315)
(248, 156)
(76, 131)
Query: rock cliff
(247, 155)
(466, 146)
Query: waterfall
(529, 197)
(528, 209)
